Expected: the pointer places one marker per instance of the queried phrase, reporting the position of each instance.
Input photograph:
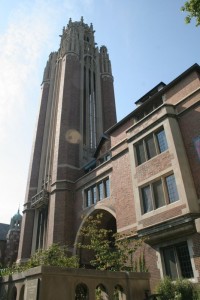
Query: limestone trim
(95, 179)
(194, 105)
(61, 185)
(134, 225)
(168, 113)
(87, 186)
(124, 141)
(191, 252)
(153, 178)
(136, 124)
(158, 211)
(187, 96)
(65, 280)
(179, 167)
(68, 165)
(121, 153)
(160, 261)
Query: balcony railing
(40, 200)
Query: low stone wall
(50, 283)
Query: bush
(166, 289)
(181, 289)
(55, 255)
(185, 288)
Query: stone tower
(12, 239)
(77, 106)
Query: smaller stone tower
(12, 239)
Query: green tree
(192, 7)
(111, 251)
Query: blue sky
(148, 42)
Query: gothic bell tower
(77, 106)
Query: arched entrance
(108, 222)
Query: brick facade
(156, 198)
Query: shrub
(185, 288)
(181, 289)
(166, 289)
(55, 255)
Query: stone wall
(50, 283)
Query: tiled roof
(3, 231)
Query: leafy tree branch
(192, 7)
(111, 251)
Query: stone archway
(21, 295)
(13, 295)
(108, 221)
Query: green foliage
(181, 289)
(192, 7)
(197, 291)
(113, 252)
(55, 255)
(185, 288)
(98, 293)
(166, 289)
(139, 264)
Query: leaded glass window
(152, 145)
(177, 261)
(172, 189)
(153, 195)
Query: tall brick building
(142, 173)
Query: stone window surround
(182, 262)
(179, 167)
(160, 260)
(164, 189)
(105, 191)
(156, 144)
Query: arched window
(81, 292)
(101, 293)
(119, 293)
(21, 295)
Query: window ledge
(169, 229)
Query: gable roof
(101, 141)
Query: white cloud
(31, 34)
(30, 31)
(21, 45)
(28, 36)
